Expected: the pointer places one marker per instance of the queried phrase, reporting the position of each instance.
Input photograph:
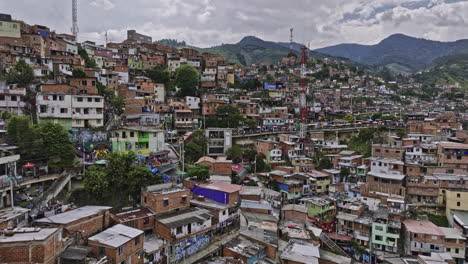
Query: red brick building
(165, 198)
(140, 218)
(120, 244)
(32, 245)
(86, 220)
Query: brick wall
(294, 215)
(32, 252)
(156, 201)
(130, 250)
(87, 226)
(227, 252)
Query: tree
(46, 141)
(344, 173)
(78, 73)
(89, 62)
(249, 154)
(22, 74)
(200, 172)
(158, 74)
(349, 118)
(96, 181)
(119, 180)
(56, 145)
(252, 124)
(261, 165)
(235, 153)
(228, 116)
(187, 80)
(197, 147)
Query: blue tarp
(215, 195)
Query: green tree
(78, 73)
(187, 79)
(344, 172)
(22, 74)
(196, 148)
(228, 116)
(89, 62)
(120, 179)
(235, 153)
(252, 124)
(158, 74)
(249, 154)
(349, 118)
(96, 181)
(56, 145)
(200, 172)
(261, 165)
(46, 141)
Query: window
(448, 249)
(13, 98)
(434, 237)
(379, 228)
(90, 100)
(456, 250)
(178, 230)
(124, 134)
(63, 110)
(184, 199)
(121, 250)
(84, 83)
(415, 235)
(458, 195)
(458, 203)
(432, 247)
(132, 134)
(137, 240)
(79, 99)
(97, 100)
(102, 251)
(2, 97)
(166, 202)
(61, 98)
(146, 220)
(380, 238)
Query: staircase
(332, 245)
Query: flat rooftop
(131, 214)
(116, 236)
(73, 215)
(301, 252)
(28, 234)
(181, 218)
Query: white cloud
(207, 22)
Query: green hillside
(447, 70)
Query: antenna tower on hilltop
(74, 28)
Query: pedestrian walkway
(212, 248)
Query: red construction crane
(302, 98)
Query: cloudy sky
(212, 22)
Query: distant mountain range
(398, 52)
(250, 50)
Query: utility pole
(106, 38)
(10, 174)
(84, 156)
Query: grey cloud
(212, 22)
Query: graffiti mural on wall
(93, 145)
(191, 245)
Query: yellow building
(10, 29)
(322, 181)
(454, 200)
(230, 78)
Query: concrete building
(8, 27)
(12, 100)
(140, 38)
(120, 244)
(32, 245)
(219, 140)
(422, 237)
(86, 220)
(143, 140)
(165, 198)
(8, 161)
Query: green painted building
(323, 209)
(142, 140)
(385, 238)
